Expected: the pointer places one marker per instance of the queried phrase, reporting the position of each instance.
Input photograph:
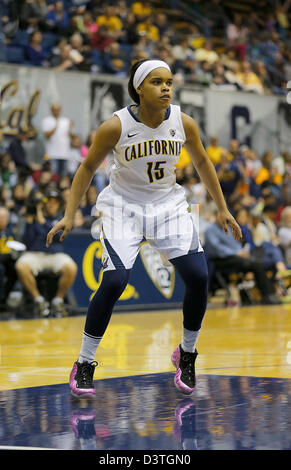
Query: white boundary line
(24, 448)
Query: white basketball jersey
(144, 158)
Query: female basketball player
(143, 199)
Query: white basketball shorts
(168, 227)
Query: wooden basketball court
(242, 398)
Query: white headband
(145, 68)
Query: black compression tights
(192, 269)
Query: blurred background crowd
(217, 45)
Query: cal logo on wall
(162, 276)
(19, 116)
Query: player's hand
(64, 225)
(227, 220)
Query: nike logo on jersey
(131, 135)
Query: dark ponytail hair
(131, 90)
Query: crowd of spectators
(257, 189)
(213, 46)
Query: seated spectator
(75, 154)
(269, 219)
(248, 79)
(263, 75)
(39, 258)
(161, 22)
(80, 53)
(229, 256)
(8, 276)
(254, 52)
(251, 160)
(195, 192)
(204, 73)
(77, 42)
(17, 151)
(58, 18)
(88, 25)
(270, 254)
(64, 182)
(138, 54)
(34, 52)
(282, 162)
(277, 73)
(260, 231)
(196, 39)
(184, 159)
(270, 44)
(229, 176)
(56, 50)
(148, 29)
(182, 50)
(144, 44)
(33, 14)
(113, 23)
(215, 151)
(284, 234)
(89, 202)
(190, 70)
(237, 36)
(46, 180)
(129, 26)
(79, 220)
(234, 151)
(268, 172)
(102, 38)
(219, 77)
(115, 61)
(64, 61)
(206, 53)
(75, 26)
(142, 9)
(19, 198)
(281, 11)
(8, 173)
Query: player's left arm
(207, 174)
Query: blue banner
(152, 284)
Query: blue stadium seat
(48, 41)
(20, 38)
(15, 54)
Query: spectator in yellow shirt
(110, 20)
(268, 172)
(214, 151)
(206, 53)
(249, 80)
(141, 9)
(184, 159)
(148, 29)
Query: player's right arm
(105, 139)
